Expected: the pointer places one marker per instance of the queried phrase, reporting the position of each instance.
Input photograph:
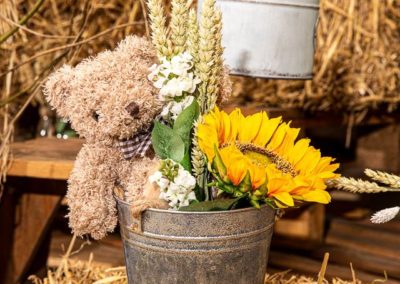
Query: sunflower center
(263, 157)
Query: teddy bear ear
(57, 89)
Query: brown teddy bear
(111, 103)
(108, 100)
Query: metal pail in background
(196, 247)
(269, 38)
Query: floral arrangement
(382, 182)
(210, 159)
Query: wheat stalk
(215, 78)
(198, 159)
(192, 42)
(179, 25)
(206, 51)
(384, 178)
(158, 28)
(358, 186)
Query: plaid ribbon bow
(138, 145)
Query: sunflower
(260, 157)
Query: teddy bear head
(107, 97)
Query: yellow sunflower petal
(288, 142)
(235, 164)
(226, 128)
(295, 154)
(320, 196)
(258, 175)
(309, 161)
(278, 137)
(268, 127)
(235, 117)
(325, 169)
(249, 127)
(328, 171)
(285, 198)
(207, 138)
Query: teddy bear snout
(133, 109)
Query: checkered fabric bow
(138, 145)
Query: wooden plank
(378, 148)
(307, 224)
(307, 266)
(360, 260)
(362, 238)
(34, 214)
(48, 158)
(7, 211)
(107, 252)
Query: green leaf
(185, 162)
(184, 122)
(166, 143)
(214, 205)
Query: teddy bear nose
(133, 109)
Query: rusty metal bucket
(196, 247)
(269, 38)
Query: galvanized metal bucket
(196, 247)
(269, 38)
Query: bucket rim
(313, 4)
(155, 210)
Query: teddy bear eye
(96, 115)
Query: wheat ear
(179, 25)
(158, 28)
(206, 51)
(358, 186)
(215, 78)
(198, 159)
(192, 42)
(384, 178)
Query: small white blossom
(177, 83)
(177, 192)
(173, 108)
(385, 215)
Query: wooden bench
(36, 183)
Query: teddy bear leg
(92, 208)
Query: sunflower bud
(219, 166)
(245, 185)
(261, 191)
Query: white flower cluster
(177, 83)
(177, 190)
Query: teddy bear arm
(90, 198)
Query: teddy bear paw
(141, 205)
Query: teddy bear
(108, 100)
